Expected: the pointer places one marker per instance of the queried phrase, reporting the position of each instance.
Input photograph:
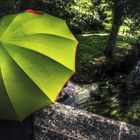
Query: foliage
(105, 13)
(90, 15)
(80, 14)
(9, 6)
(121, 9)
(91, 64)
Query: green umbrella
(37, 57)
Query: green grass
(93, 45)
(115, 91)
(90, 56)
(90, 46)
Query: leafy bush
(80, 15)
(8, 6)
(105, 13)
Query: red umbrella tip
(34, 12)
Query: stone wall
(60, 122)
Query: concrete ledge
(60, 122)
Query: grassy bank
(91, 63)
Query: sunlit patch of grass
(92, 45)
(90, 53)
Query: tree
(9, 6)
(121, 9)
(32, 4)
(80, 15)
(134, 27)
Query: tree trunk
(118, 13)
(12, 130)
(112, 41)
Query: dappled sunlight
(91, 60)
(93, 34)
(92, 45)
(99, 60)
(105, 68)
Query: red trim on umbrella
(34, 12)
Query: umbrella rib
(9, 96)
(43, 55)
(18, 25)
(9, 25)
(32, 79)
(55, 35)
(25, 72)
(30, 21)
(60, 36)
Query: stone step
(60, 122)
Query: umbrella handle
(35, 12)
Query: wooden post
(13, 130)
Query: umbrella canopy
(37, 57)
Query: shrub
(8, 6)
(80, 15)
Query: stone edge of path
(61, 122)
